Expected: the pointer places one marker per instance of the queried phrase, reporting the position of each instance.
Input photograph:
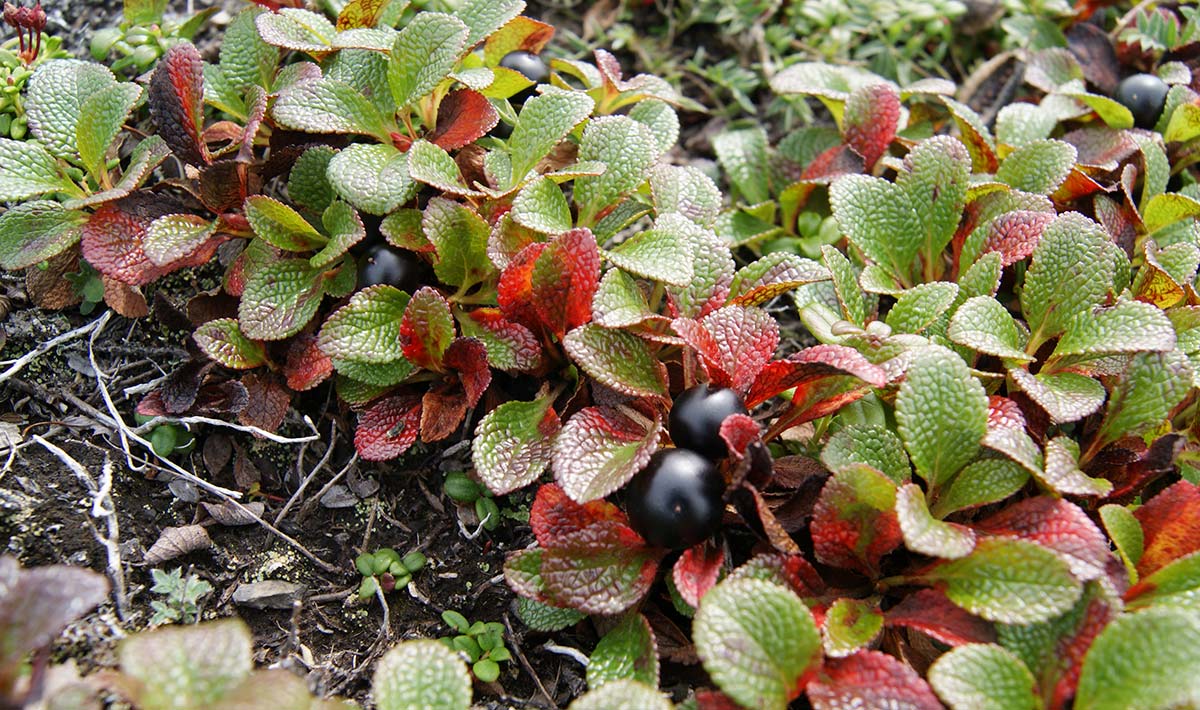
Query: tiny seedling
(168, 439)
(482, 643)
(466, 491)
(386, 570)
(183, 595)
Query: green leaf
(1114, 114)
(877, 216)
(1071, 273)
(1039, 167)
(1157, 169)
(1019, 124)
(921, 306)
(662, 253)
(246, 60)
(32, 232)
(542, 207)
(544, 121)
(1127, 327)
(850, 295)
(627, 150)
(281, 226)
(280, 298)
(850, 626)
(295, 29)
(622, 694)
(373, 178)
(54, 101)
(1126, 533)
(686, 190)
(176, 236)
(430, 164)
(743, 157)
(460, 237)
(627, 652)
(873, 445)
(617, 359)
(927, 535)
(367, 328)
(661, 119)
(983, 278)
(981, 483)
(483, 17)
(1009, 581)
(543, 617)
(1150, 387)
(329, 106)
(106, 111)
(27, 170)
(941, 413)
(345, 229)
(307, 184)
(421, 674)
(187, 667)
(984, 325)
(936, 183)
(1065, 396)
(1167, 209)
(425, 53)
(513, 443)
(144, 12)
(1175, 585)
(984, 675)
(223, 341)
(1143, 660)
(757, 640)
(1062, 473)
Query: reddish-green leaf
(510, 346)
(870, 679)
(696, 571)
(513, 444)
(808, 367)
(931, 613)
(223, 341)
(1170, 525)
(426, 329)
(617, 359)
(388, 427)
(177, 103)
(869, 126)
(564, 279)
(463, 116)
(600, 449)
(734, 343)
(1015, 235)
(627, 652)
(1058, 525)
(854, 522)
(850, 626)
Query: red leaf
(710, 699)
(468, 357)
(706, 346)
(554, 516)
(1004, 413)
(847, 530)
(1015, 235)
(1170, 526)
(792, 570)
(442, 410)
(523, 346)
(124, 299)
(223, 185)
(112, 241)
(871, 116)
(1077, 185)
(426, 329)
(268, 403)
(739, 431)
(564, 280)
(734, 344)
(870, 679)
(835, 162)
(809, 365)
(388, 427)
(1058, 525)
(176, 100)
(697, 570)
(463, 116)
(1072, 647)
(1102, 147)
(306, 365)
(758, 515)
(515, 289)
(931, 613)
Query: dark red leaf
(564, 280)
(442, 410)
(515, 290)
(1004, 413)
(870, 125)
(870, 679)
(1070, 649)
(268, 403)
(835, 162)
(848, 531)
(524, 346)
(757, 514)
(697, 571)
(931, 613)
(711, 699)
(463, 116)
(180, 388)
(1170, 526)
(1015, 235)
(1058, 525)
(388, 427)
(426, 329)
(809, 365)
(739, 431)
(734, 344)
(1097, 57)
(223, 185)
(468, 357)
(554, 516)
(176, 98)
(112, 240)
(706, 346)
(307, 366)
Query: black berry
(675, 501)
(383, 264)
(696, 416)
(1144, 95)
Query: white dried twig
(149, 426)
(572, 653)
(19, 364)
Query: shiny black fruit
(675, 501)
(696, 417)
(528, 65)
(383, 264)
(1144, 96)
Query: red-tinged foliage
(850, 533)
(112, 241)
(307, 366)
(268, 401)
(809, 365)
(835, 162)
(514, 292)
(1170, 526)
(564, 280)
(554, 516)
(757, 514)
(931, 613)
(697, 571)
(706, 346)
(388, 427)
(442, 410)
(176, 98)
(870, 679)
(1015, 235)
(739, 431)
(360, 13)
(1058, 525)
(734, 344)
(1004, 413)
(124, 299)
(212, 399)
(426, 329)
(468, 357)
(274, 5)
(223, 185)
(1077, 185)
(870, 132)
(711, 699)
(463, 116)
(524, 345)
(1072, 647)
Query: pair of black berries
(676, 500)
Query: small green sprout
(463, 489)
(182, 597)
(482, 642)
(386, 570)
(168, 439)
